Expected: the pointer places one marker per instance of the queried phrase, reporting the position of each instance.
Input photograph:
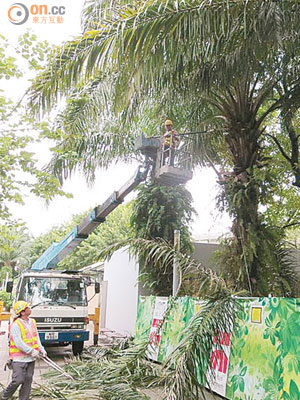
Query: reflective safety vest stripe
(29, 336)
(171, 139)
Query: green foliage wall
(157, 212)
(264, 361)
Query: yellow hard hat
(168, 122)
(20, 306)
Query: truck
(59, 305)
(59, 298)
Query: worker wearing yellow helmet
(170, 142)
(20, 306)
(168, 122)
(24, 348)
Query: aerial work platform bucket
(168, 171)
(147, 146)
(172, 176)
(173, 170)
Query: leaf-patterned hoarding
(175, 323)
(144, 317)
(264, 352)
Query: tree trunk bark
(251, 258)
(288, 116)
(242, 186)
(243, 203)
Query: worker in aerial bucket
(170, 142)
(24, 348)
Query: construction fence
(260, 360)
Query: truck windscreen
(36, 290)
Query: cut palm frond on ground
(122, 373)
(102, 374)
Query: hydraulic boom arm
(58, 251)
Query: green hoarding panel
(265, 352)
(261, 361)
(174, 324)
(144, 317)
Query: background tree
(15, 244)
(19, 171)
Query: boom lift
(59, 300)
(58, 251)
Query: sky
(61, 23)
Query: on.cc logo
(18, 14)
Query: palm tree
(219, 60)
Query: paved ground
(157, 395)
(58, 354)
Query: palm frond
(123, 371)
(188, 368)
(144, 35)
(160, 252)
(106, 374)
(88, 152)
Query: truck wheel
(77, 348)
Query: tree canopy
(15, 242)
(19, 171)
(225, 68)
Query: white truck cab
(59, 306)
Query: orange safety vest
(29, 336)
(171, 139)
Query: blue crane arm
(58, 251)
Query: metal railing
(177, 158)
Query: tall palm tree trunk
(240, 185)
(243, 202)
